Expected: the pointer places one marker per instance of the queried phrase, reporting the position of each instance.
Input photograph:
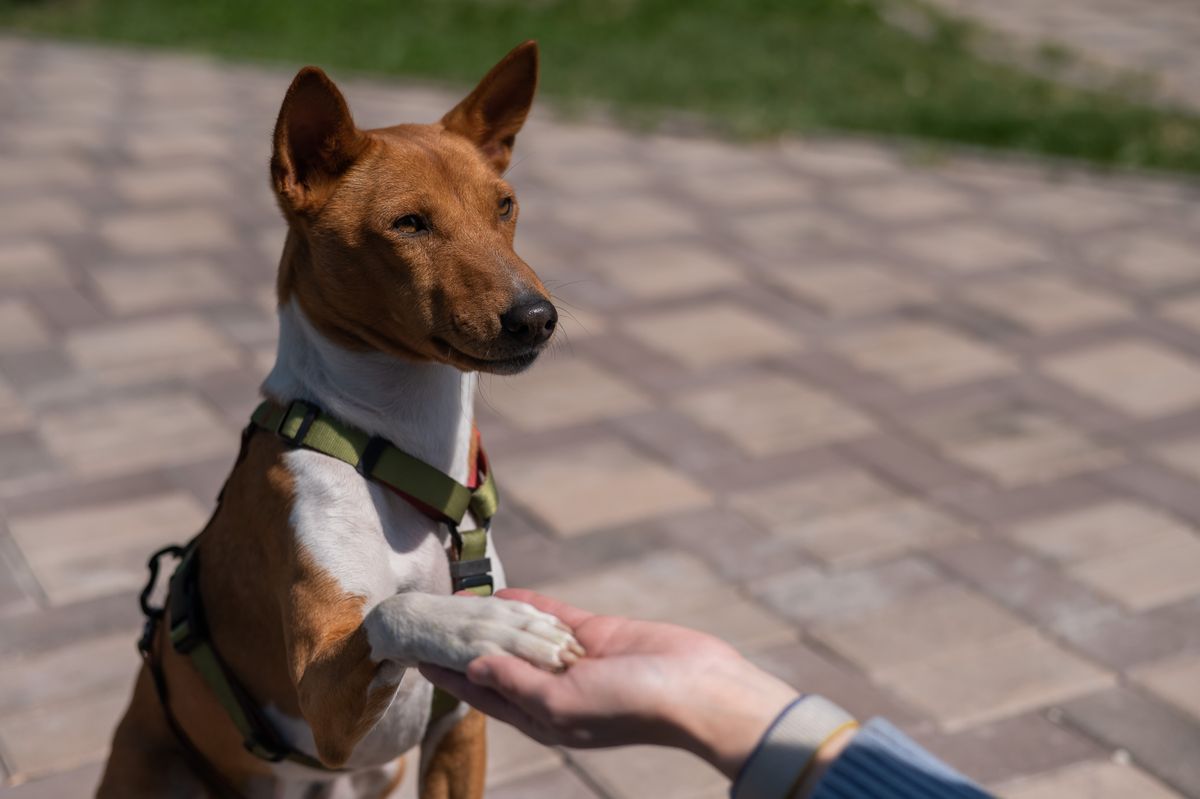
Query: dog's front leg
(452, 631)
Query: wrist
(723, 713)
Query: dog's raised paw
(517, 628)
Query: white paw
(498, 626)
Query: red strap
(478, 460)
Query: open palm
(622, 692)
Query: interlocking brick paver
(1069, 209)
(750, 190)
(1135, 554)
(44, 215)
(1176, 681)
(793, 502)
(972, 248)
(802, 665)
(1184, 311)
(1106, 528)
(30, 172)
(637, 772)
(808, 594)
(27, 635)
(851, 289)
(1014, 443)
(61, 736)
(662, 271)
(1094, 779)
(20, 328)
(905, 201)
(1155, 573)
(678, 588)
(557, 782)
(924, 626)
(920, 356)
(96, 550)
(1024, 744)
(76, 782)
(158, 232)
(561, 391)
(169, 183)
(881, 531)
(179, 146)
(1161, 739)
(844, 161)
(1047, 304)
(98, 665)
(30, 263)
(780, 234)
(1141, 378)
(134, 289)
(573, 491)
(997, 677)
(625, 218)
(130, 352)
(711, 334)
(1158, 262)
(136, 434)
(768, 415)
(955, 400)
(511, 755)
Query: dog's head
(401, 239)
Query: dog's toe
(538, 637)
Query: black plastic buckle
(174, 551)
(153, 614)
(471, 574)
(187, 628)
(370, 455)
(310, 415)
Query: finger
(447, 679)
(518, 681)
(485, 700)
(571, 615)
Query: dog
(282, 664)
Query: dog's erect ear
(491, 115)
(315, 140)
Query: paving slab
(957, 399)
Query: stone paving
(922, 437)
(1153, 39)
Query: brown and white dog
(398, 283)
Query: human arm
(644, 682)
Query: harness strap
(148, 645)
(189, 636)
(434, 493)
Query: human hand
(641, 682)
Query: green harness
(435, 494)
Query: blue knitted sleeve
(883, 763)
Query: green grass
(747, 67)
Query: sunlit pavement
(924, 437)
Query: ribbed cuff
(787, 748)
(880, 762)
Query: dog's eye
(506, 207)
(410, 224)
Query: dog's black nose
(530, 321)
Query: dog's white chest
(364, 536)
(373, 544)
